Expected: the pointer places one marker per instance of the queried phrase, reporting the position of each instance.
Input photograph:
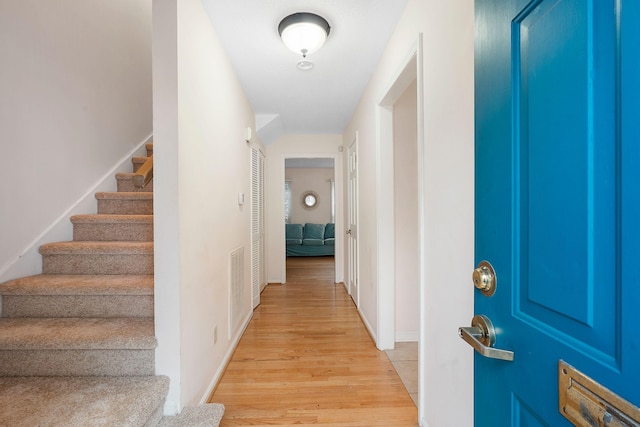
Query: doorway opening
(401, 200)
(310, 210)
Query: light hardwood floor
(307, 359)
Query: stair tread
(126, 183)
(100, 247)
(125, 195)
(140, 159)
(125, 175)
(77, 333)
(54, 284)
(208, 414)
(111, 219)
(80, 401)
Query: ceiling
(285, 99)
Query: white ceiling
(290, 101)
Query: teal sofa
(310, 239)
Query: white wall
(76, 97)
(405, 152)
(201, 116)
(317, 180)
(446, 375)
(302, 146)
(167, 290)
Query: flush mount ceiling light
(304, 33)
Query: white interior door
(352, 212)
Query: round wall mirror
(309, 199)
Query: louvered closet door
(257, 225)
(263, 258)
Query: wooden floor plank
(307, 359)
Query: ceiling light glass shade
(305, 65)
(304, 33)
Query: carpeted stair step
(125, 183)
(77, 347)
(125, 203)
(112, 227)
(138, 161)
(78, 296)
(97, 258)
(207, 415)
(82, 401)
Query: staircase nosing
(111, 219)
(79, 285)
(97, 248)
(125, 195)
(77, 334)
(125, 175)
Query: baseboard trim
(225, 362)
(344, 285)
(407, 336)
(367, 325)
(169, 409)
(28, 261)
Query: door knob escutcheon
(484, 278)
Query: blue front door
(557, 201)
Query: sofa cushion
(330, 241)
(330, 231)
(313, 231)
(297, 242)
(293, 232)
(312, 242)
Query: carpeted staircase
(77, 343)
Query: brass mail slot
(586, 403)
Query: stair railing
(144, 174)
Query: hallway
(306, 358)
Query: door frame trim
(340, 208)
(410, 70)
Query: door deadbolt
(484, 278)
